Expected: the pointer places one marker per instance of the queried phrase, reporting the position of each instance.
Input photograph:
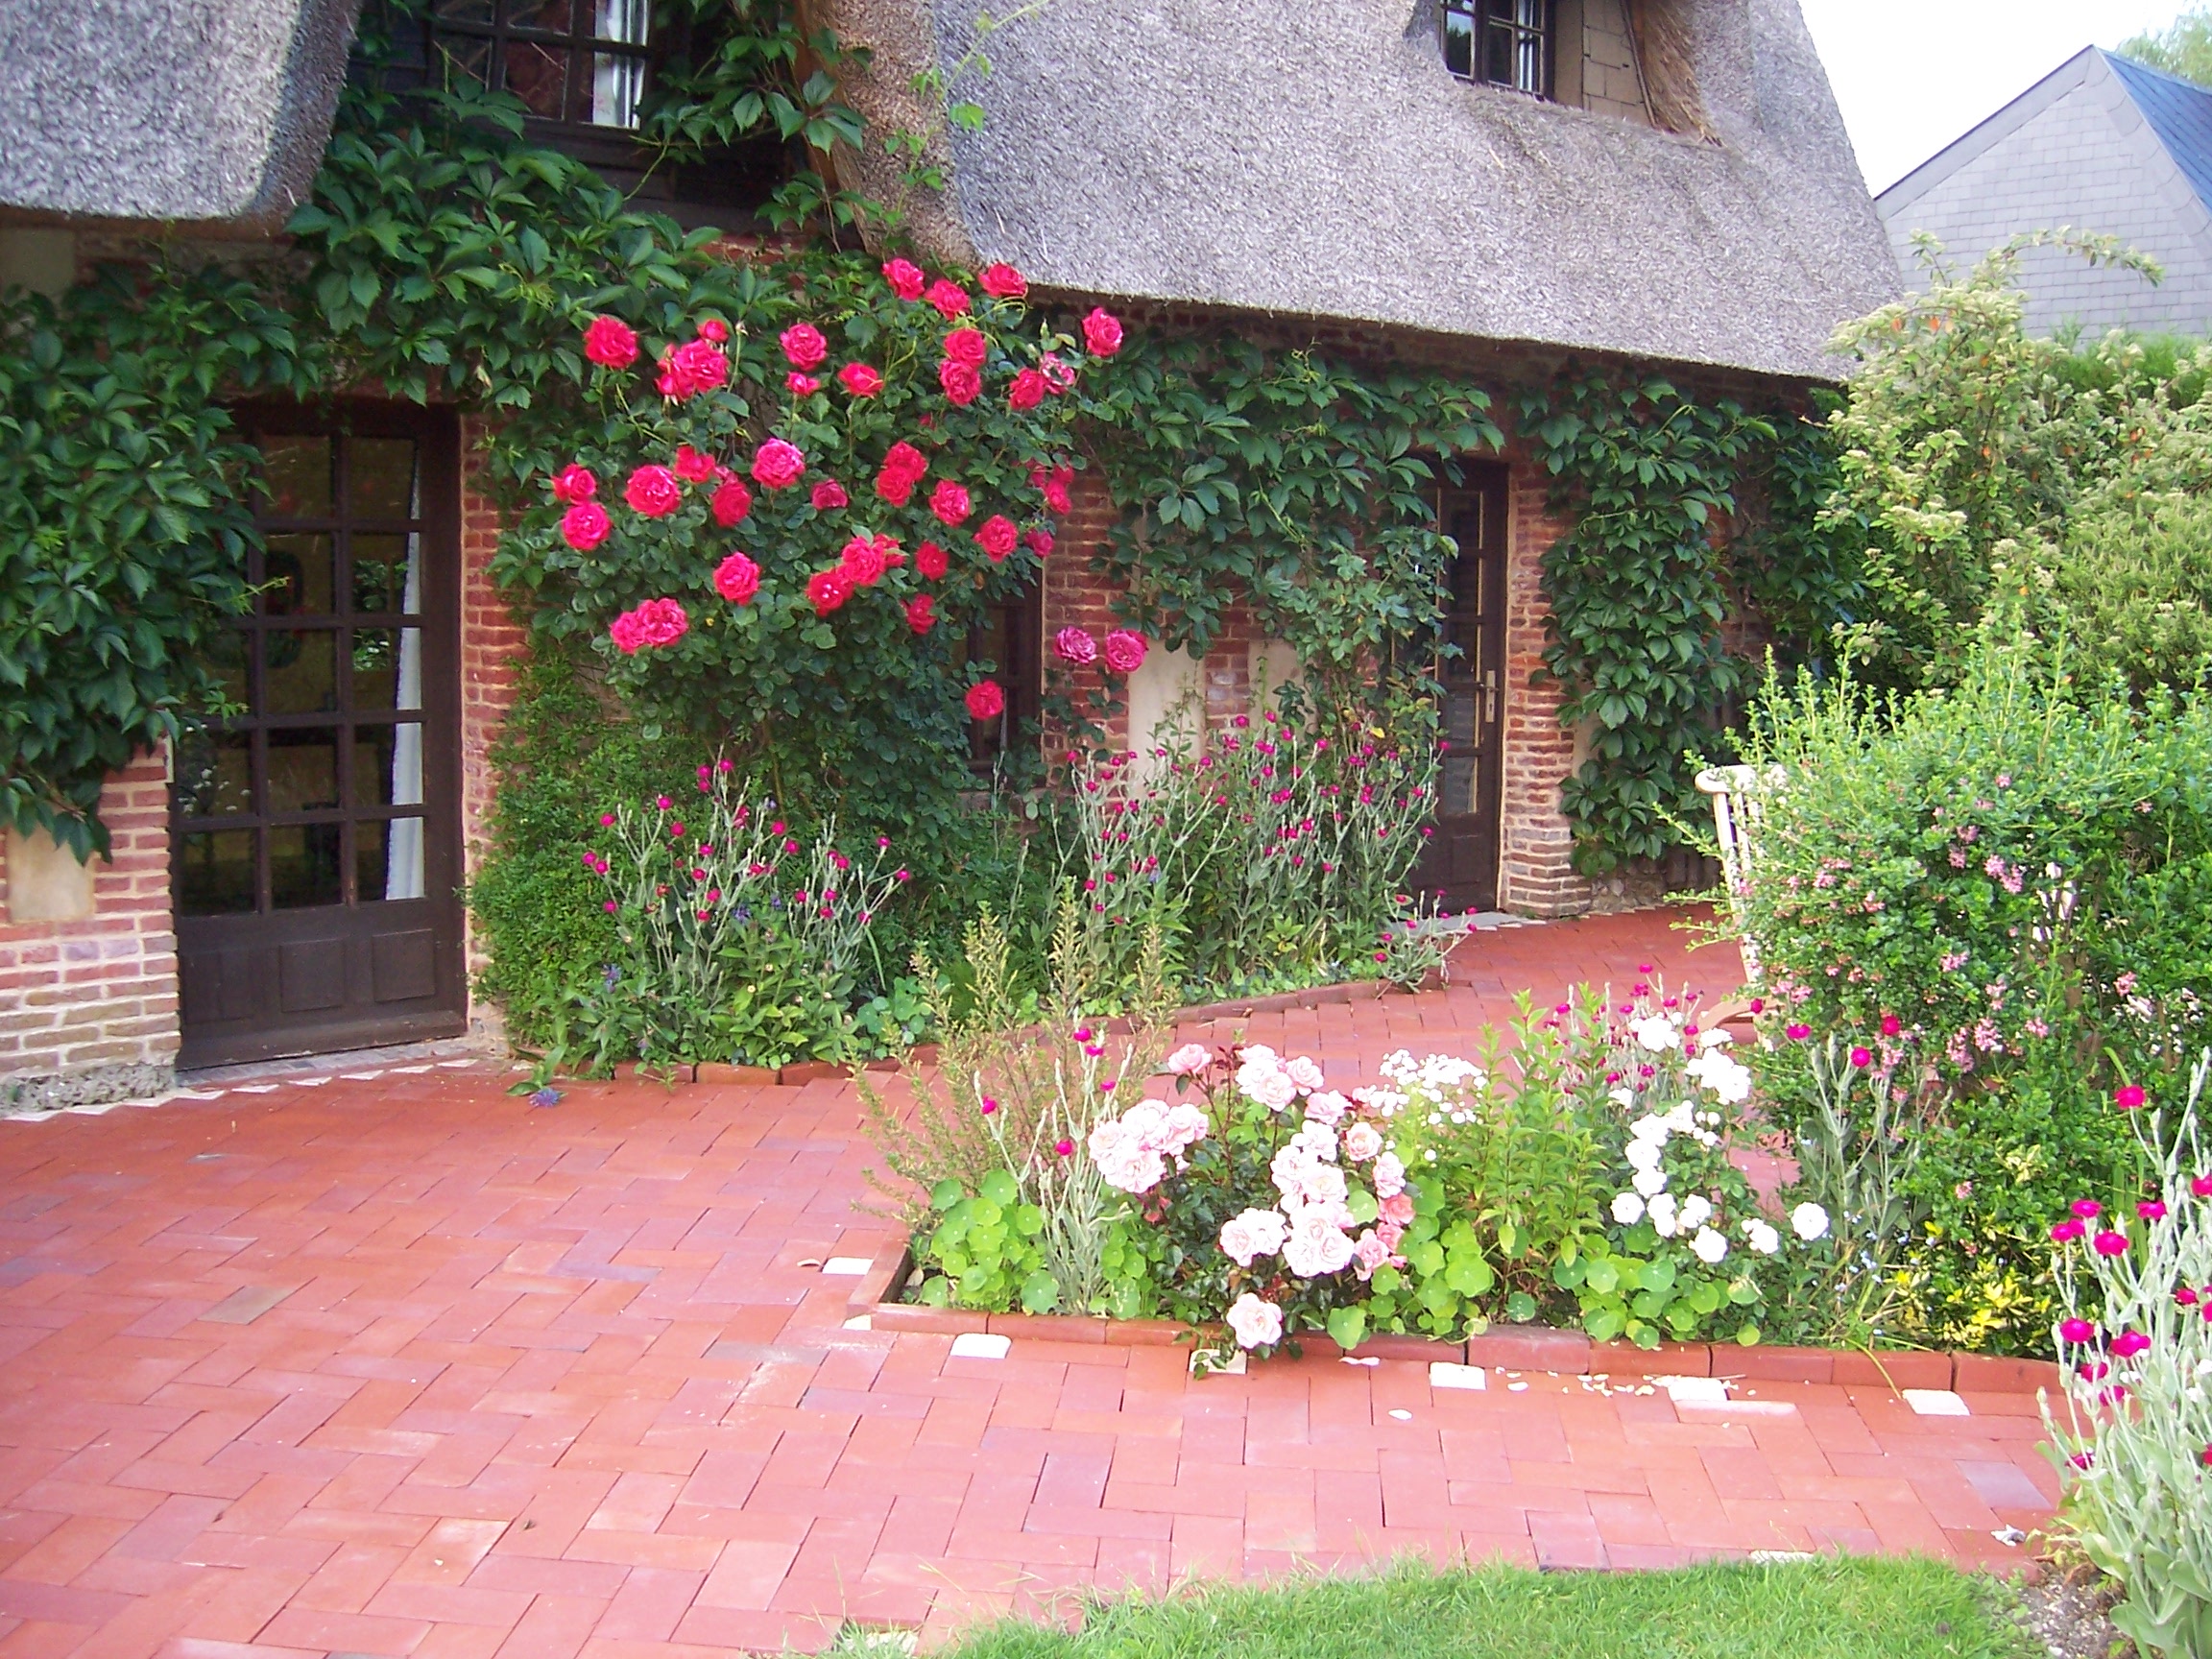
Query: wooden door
(1462, 857)
(314, 833)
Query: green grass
(1833, 1609)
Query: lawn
(1833, 1609)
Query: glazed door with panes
(1462, 857)
(316, 828)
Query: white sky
(1912, 75)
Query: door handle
(1489, 695)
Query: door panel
(315, 829)
(1462, 857)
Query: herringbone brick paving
(401, 1366)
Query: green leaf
(1039, 1292)
(1000, 1187)
(1347, 1325)
(945, 1195)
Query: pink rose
(738, 579)
(1398, 1209)
(626, 633)
(802, 385)
(1076, 646)
(961, 384)
(863, 563)
(610, 343)
(859, 379)
(1125, 651)
(574, 483)
(804, 347)
(585, 525)
(656, 622)
(696, 365)
(830, 495)
(1027, 389)
(1038, 542)
(905, 279)
(986, 700)
(949, 501)
(714, 329)
(778, 464)
(652, 490)
(1191, 1058)
(1002, 282)
(950, 299)
(1101, 332)
(1059, 374)
(730, 503)
(966, 346)
(931, 561)
(996, 538)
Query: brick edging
(1522, 1348)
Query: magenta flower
(2127, 1096)
(2130, 1343)
(2111, 1243)
(2066, 1232)
(2151, 1210)
(1796, 1033)
(2088, 1209)
(2077, 1331)
(1862, 1058)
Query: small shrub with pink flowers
(2132, 1434)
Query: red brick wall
(492, 646)
(99, 996)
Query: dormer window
(1501, 43)
(576, 63)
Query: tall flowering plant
(2132, 1434)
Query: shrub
(2134, 592)
(2136, 1345)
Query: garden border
(1506, 1348)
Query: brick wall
(89, 1008)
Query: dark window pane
(388, 765)
(388, 860)
(295, 473)
(387, 669)
(556, 15)
(297, 579)
(380, 573)
(215, 874)
(467, 60)
(302, 770)
(1460, 40)
(299, 670)
(380, 478)
(466, 10)
(304, 865)
(214, 773)
(228, 655)
(539, 75)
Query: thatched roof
(205, 113)
(1319, 161)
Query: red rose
(610, 343)
(662, 621)
(714, 329)
(1074, 645)
(996, 537)
(829, 494)
(986, 701)
(804, 346)
(950, 298)
(1125, 651)
(904, 460)
(905, 279)
(860, 381)
(626, 633)
(921, 612)
(694, 366)
(1056, 491)
(1058, 373)
(1039, 543)
(1003, 281)
(949, 502)
(1101, 332)
(966, 346)
(654, 491)
(693, 466)
(585, 525)
(731, 503)
(778, 464)
(802, 385)
(962, 384)
(827, 589)
(896, 487)
(931, 561)
(862, 561)
(738, 579)
(1027, 391)
(574, 483)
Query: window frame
(1019, 673)
(579, 41)
(1483, 20)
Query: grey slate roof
(208, 112)
(1318, 161)
(2100, 145)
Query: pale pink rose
(1263, 1077)
(1185, 1126)
(1190, 1058)
(1390, 1176)
(1326, 1107)
(1303, 1072)
(1253, 1234)
(1398, 1210)
(1361, 1142)
(1370, 1253)
(1315, 1246)
(1256, 1324)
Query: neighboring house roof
(2100, 145)
(1319, 161)
(207, 113)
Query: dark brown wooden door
(316, 834)
(1462, 858)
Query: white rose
(1696, 1211)
(1649, 1127)
(1655, 1032)
(1809, 1222)
(1764, 1238)
(1622, 1096)
(1650, 1182)
(1663, 1213)
(1714, 1038)
(1708, 1246)
(1627, 1209)
(1303, 1072)
(1643, 1155)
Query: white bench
(1739, 814)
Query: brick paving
(402, 1366)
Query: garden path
(398, 1364)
